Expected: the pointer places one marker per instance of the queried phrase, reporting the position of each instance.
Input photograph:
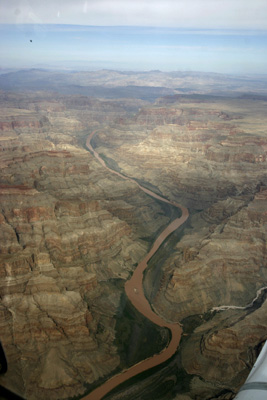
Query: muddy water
(135, 293)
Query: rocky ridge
(197, 153)
(68, 228)
(72, 233)
(210, 156)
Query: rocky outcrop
(71, 234)
(197, 153)
(220, 261)
(23, 123)
(210, 157)
(233, 251)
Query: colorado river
(135, 293)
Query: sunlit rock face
(220, 261)
(72, 233)
(195, 152)
(69, 230)
(210, 156)
(229, 341)
(232, 251)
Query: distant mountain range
(146, 85)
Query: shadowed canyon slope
(211, 156)
(72, 233)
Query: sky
(228, 36)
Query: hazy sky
(207, 35)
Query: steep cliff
(210, 156)
(71, 233)
(196, 153)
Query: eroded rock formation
(72, 233)
(69, 232)
(198, 153)
(212, 157)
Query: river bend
(135, 293)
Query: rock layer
(211, 156)
(72, 233)
(196, 152)
(69, 230)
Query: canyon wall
(73, 232)
(70, 233)
(211, 157)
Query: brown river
(135, 293)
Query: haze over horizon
(224, 36)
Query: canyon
(73, 232)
